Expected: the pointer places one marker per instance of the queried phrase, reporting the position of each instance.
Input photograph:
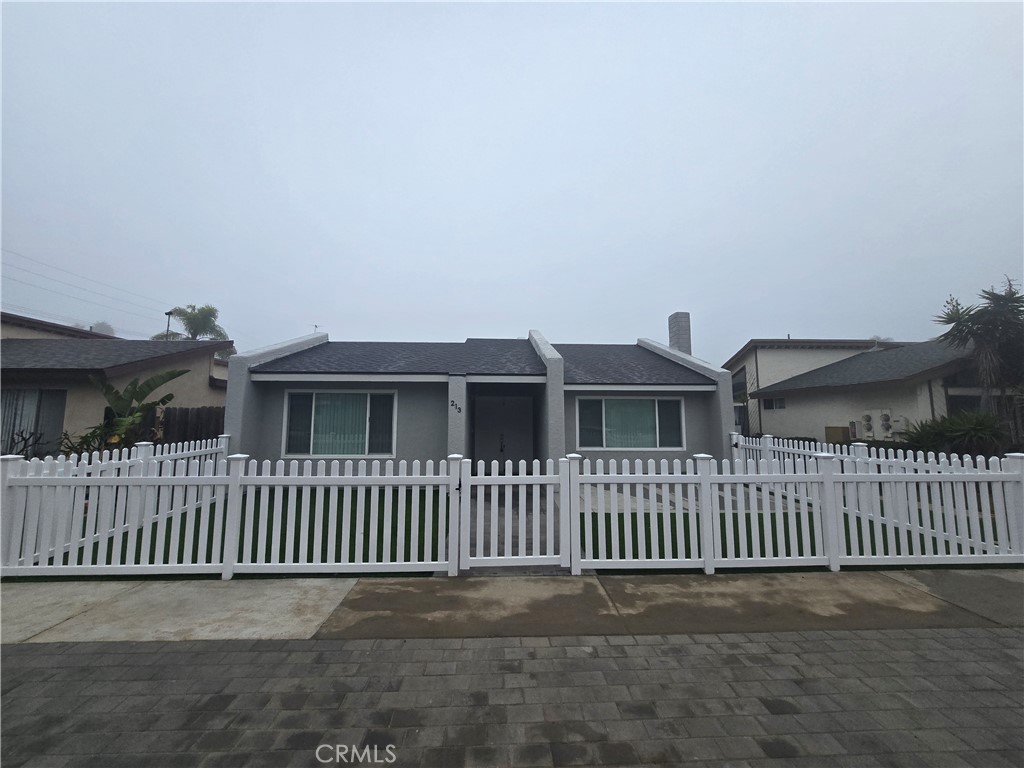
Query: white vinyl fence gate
(195, 510)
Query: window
(340, 423)
(777, 404)
(620, 422)
(33, 420)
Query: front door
(503, 428)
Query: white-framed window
(630, 422)
(775, 404)
(339, 423)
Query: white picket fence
(174, 515)
(870, 459)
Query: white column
(454, 513)
(569, 514)
(831, 514)
(10, 466)
(708, 511)
(236, 468)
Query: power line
(73, 285)
(78, 298)
(45, 314)
(82, 277)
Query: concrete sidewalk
(913, 668)
(508, 606)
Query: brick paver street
(897, 697)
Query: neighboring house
(20, 327)
(46, 387)
(486, 399)
(873, 395)
(763, 362)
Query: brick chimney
(679, 332)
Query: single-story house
(14, 326)
(762, 362)
(486, 399)
(873, 395)
(46, 387)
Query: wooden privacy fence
(174, 513)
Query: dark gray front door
(503, 428)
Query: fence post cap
(238, 456)
(454, 457)
(12, 457)
(1009, 456)
(703, 456)
(574, 456)
(824, 455)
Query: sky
(432, 172)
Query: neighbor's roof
(495, 357)
(9, 318)
(623, 364)
(110, 356)
(584, 363)
(809, 344)
(909, 361)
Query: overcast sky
(431, 172)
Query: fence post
(707, 511)
(734, 446)
(1014, 463)
(569, 512)
(766, 450)
(144, 451)
(236, 468)
(223, 443)
(454, 512)
(10, 466)
(465, 510)
(830, 512)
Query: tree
(102, 327)
(993, 332)
(198, 323)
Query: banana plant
(130, 406)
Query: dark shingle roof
(884, 365)
(496, 357)
(92, 354)
(584, 363)
(623, 364)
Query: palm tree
(198, 323)
(994, 332)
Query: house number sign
(457, 407)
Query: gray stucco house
(486, 399)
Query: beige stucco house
(47, 389)
(873, 395)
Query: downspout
(931, 399)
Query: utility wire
(81, 288)
(82, 277)
(45, 314)
(78, 298)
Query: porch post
(454, 513)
